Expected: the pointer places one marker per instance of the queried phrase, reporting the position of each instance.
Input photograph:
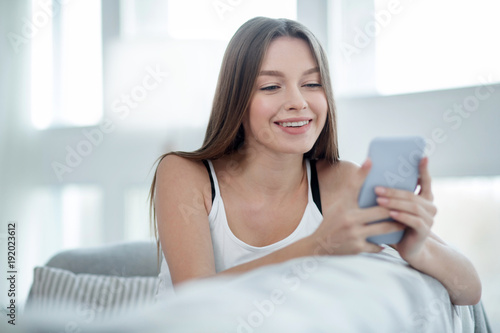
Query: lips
(294, 126)
(294, 123)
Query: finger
(394, 193)
(362, 173)
(425, 179)
(415, 222)
(380, 228)
(365, 215)
(372, 248)
(416, 206)
(385, 195)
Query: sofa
(96, 283)
(112, 281)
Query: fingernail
(379, 190)
(393, 213)
(382, 201)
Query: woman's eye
(313, 85)
(269, 88)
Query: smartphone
(395, 162)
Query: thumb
(363, 171)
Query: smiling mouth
(294, 123)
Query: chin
(296, 150)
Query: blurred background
(93, 91)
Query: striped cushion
(92, 296)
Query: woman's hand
(344, 229)
(425, 251)
(416, 212)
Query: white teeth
(294, 124)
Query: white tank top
(229, 250)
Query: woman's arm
(451, 268)
(425, 251)
(183, 202)
(182, 219)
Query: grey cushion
(119, 259)
(92, 296)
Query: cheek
(260, 111)
(320, 107)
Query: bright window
(66, 63)
(137, 226)
(197, 19)
(391, 47)
(433, 45)
(219, 19)
(162, 71)
(81, 215)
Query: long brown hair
(240, 66)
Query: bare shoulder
(174, 166)
(333, 177)
(183, 177)
(341, 169)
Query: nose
(295, 100)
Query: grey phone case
(395, 162)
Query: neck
(271, 175)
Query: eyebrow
(281, 74)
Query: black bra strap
(315, 186)
(211, 179)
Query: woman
(268, 186)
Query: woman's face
(288, 108)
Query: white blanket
(363, 293)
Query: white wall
(464, 145)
